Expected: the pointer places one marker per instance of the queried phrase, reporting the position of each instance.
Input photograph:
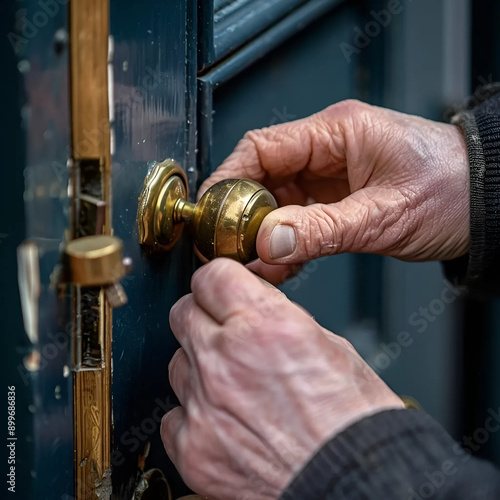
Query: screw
(60, 41)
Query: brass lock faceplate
(225, 221)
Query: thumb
(295, 234)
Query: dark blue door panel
(150, 124)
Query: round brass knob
(225, 221)
(96, 260)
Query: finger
(224, 288)
(274, 273)
(171, 428)
(190, 324)
(265, 282)
(316, 143)
(179, 375)
(360, 224)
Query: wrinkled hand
(357, 178)
(262, 386)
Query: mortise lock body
(224, 223)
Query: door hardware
(224, 223)
(410, 403)
(153, 485)
(97, 261)
(95, 265)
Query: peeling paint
(104, 488)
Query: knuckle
(252, 138)
(258, 138)
(248, 144)
(170, 432)
(352, 105)
(345, 343)
(342, 354)
(347, 119)
(366, 226)
(387, 224)
(282, 147)
(250, 322)
(212, 275)
(252, 143)
(177, 311)
(172, 365)
(321, 234)
(347, 107)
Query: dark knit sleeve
(480, 122)
(395, 455)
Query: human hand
(356, 178)
(262, 386)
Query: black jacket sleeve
(396, 455)
(480, 122)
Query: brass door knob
(224, 222)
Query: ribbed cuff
(481, 127)
(382, 456)
(464, 270)
(488, 124)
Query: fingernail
(283, 241)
